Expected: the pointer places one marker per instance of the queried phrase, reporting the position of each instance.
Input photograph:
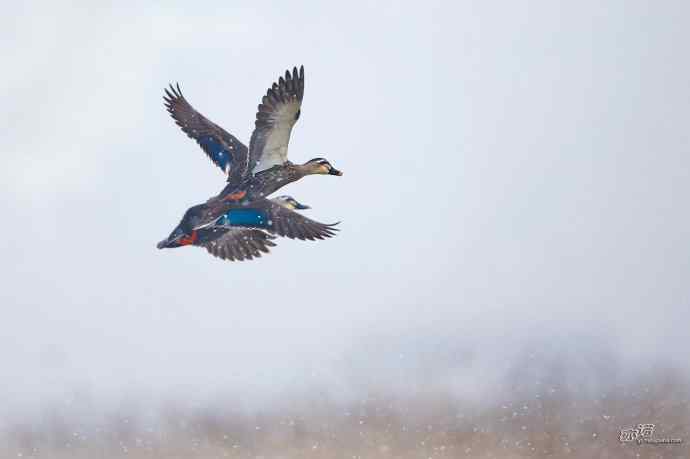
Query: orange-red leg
(235, 196)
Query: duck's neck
(271, 180)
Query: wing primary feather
(273, 126)
(222, 148)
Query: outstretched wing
(288, 223)
(238, 244)
(278, 112)
(224, 149)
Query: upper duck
(264, 167)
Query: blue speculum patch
(243, 217)
(219, 155)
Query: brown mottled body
(267, 182)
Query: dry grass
(553, 423)
(543, 408)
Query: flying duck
(236, 234)
(263, 168)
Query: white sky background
(511, 170)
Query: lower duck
(240, 230)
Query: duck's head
(178, 238)
(184, 233)
(290, 203)
(321, 166)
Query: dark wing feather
(276, 115)
(238, 244)
(288, 223)
(224, 149)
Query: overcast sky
(510, 169)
